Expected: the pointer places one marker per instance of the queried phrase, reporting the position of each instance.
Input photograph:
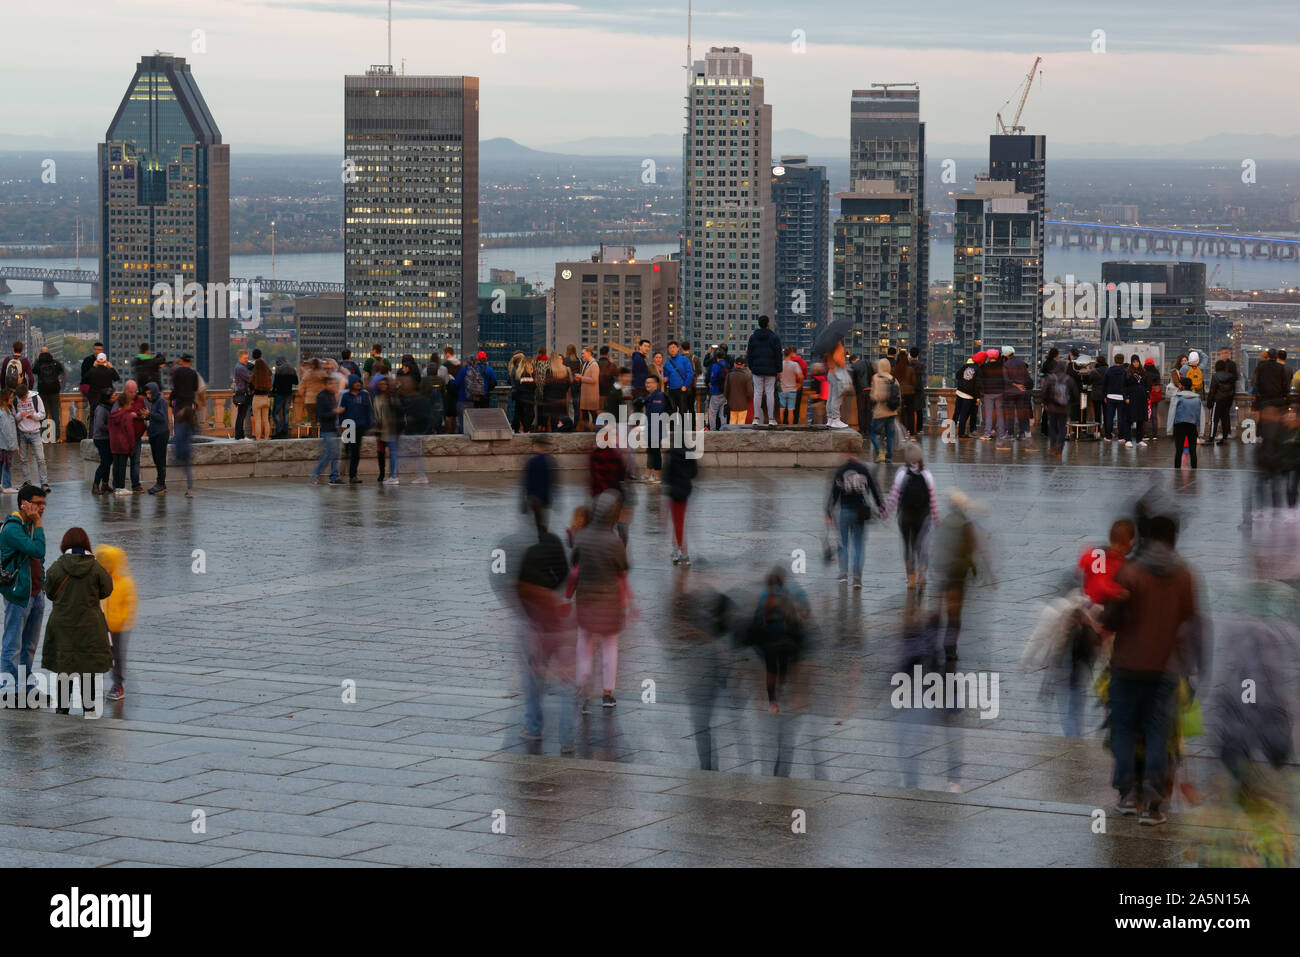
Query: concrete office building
(322, 330)
(728, 234)
(410, 207)
(164, 204)
(886, 256)
(1022, 159)
(801, 195)
(616, 299)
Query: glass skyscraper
(801, 195)
(410, 208)
(164, 198)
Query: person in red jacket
(1101, 565)
(126, 426)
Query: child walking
(119, 612)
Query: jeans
(352, 451)
(6, 480)
(135, 465)
(764, 387)
(120, 462)
(882, 427)
(1141, 705)
(716, 405)
(29, 447)
(412, 447)
(22, 630)
(119, 639)
(1222, 416)
(280, 415)
(1116, 410)
(105, 461)
(1184, 432)
(158, 446)
(184, 448)
(853, 531)
(534, 688)
(1056, 429)
(993, 422)
(329, 455)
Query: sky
(271, 70)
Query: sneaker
(1106, 438)
(1126, 806)
(880, 456)
(1128, 445)
(314, 480)
(116, 693)
(14, 491)
(47, 490)
(1152, 816)
(1220, 442)
(354, 481)
(122, 491)
(137, 489)
(686, 560)
(336, 481)
(189, 493)
(607, 700)
(858, 584)
(585, 707)
(530, 735)
(157, 488)
(843, 580)
(420, 480)
(837, 424)
(566, 749)
(391, 480)
(1142, 445)
(677, 556)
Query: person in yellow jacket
(119, 611)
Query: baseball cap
(481, 355)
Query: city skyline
(281, 96)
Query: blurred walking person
(914, 500)
(600, 589)
(388, 429)
(158, 431)
(849, 503)
(119, 613)
(679, 474)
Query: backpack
(1060, 390)
(47, 377)
(895, 398)
(1195, 378)
(716, 375)
(74, 431)
(915, 497)
(13, 372)
(474, 386)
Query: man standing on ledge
(763, 356)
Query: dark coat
(76, 637)
(763, 354)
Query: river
(536, 263)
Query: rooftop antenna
(689, 62)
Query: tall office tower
(410, 212)
(322, 333)
(511, 318)
(887, 144)
(1022, 159)
(728, 233)
(616, 299)
(164, 206)
(1178, 316)
(996, 270)
(801, 195)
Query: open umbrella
(828, 338)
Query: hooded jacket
(1113, 382)
(968, 381)
(1223, 386)
(880, 391)
(357, 407)
(21, 548)
(76, 637)
(157, 427)
(120, 606)
(48, 372)
(1157, 628)
(284, 378)
(124, 429)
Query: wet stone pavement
(262, 601)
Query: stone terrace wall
(284, 458)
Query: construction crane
(1209, 283)
(1015, 126)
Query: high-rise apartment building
(1175, 302)
(874, 266)
(1022, 159)
(615, 298)
(410, 208)
(164, 205)
(891, 232)
(801, 196)
(728, 233)
(996, 270)
(322, 332)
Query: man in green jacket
(22, 554)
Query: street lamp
(273, 250)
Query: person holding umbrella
(829, 345)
